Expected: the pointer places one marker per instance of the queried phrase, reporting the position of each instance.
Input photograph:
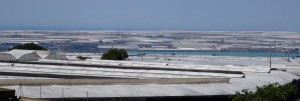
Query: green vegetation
(272, 92)
(28, 46)
(115, 54)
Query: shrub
(115, 54)
(272, 92)
(82, 57)
(28, 46)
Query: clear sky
(229, 15)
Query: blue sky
(229, 15)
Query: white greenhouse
(30, 55)
(19, 55)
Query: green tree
(271, 92)
(29, 46)
(115, 54)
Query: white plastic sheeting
(254, 76)
(146, 65)
(51, 55)
(19, 53)
(29, 57)
(251, 81)
(108, 72)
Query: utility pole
(270, 61)
(288, 59)
(143, 56)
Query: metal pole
(21, 90)
(87, 95)
(62, 94)
(40, 91)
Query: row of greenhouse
(30, 55)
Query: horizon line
(129, 29)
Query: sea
(213, 53)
